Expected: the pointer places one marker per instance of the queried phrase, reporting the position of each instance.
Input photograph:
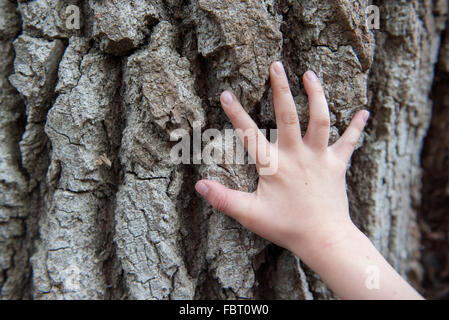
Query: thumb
(234, 203)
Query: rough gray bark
(91, 207)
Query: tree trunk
(91, 205)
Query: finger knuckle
(284, 88)
(353, 141)
(289, 118)
(251, 135)
(359, 126)
(235, 112)
(221, 202)
(317, 90)
(322, 122)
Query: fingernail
(226, 98)
(366, 116)
(310, 75)
(278, 68)
(201, 188)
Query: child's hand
(303, 206)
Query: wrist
(325, 240)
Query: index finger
(248, 131)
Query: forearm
(354, 269)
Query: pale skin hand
(303, 207)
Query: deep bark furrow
(14, 191)
(433, 214)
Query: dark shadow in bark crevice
(434, 213)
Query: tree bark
(91, 205)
